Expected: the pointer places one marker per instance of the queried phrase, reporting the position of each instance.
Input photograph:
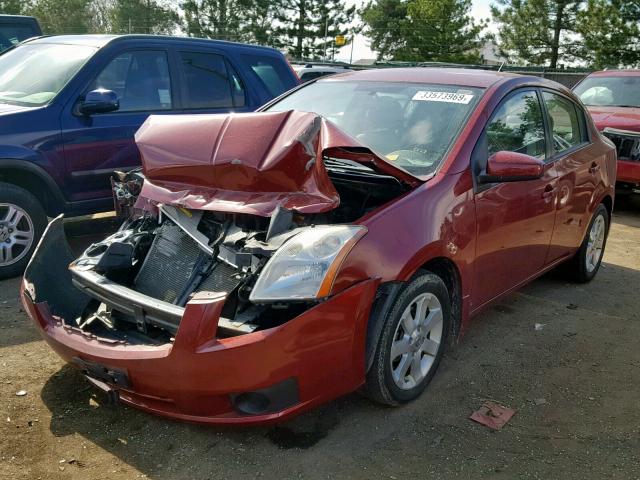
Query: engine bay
(170, 254)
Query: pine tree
(538, 32)
(219, 19)
(62, 16)
(423, 30)
(143, 16)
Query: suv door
(96, 145)
(514, 219)
(578, 172)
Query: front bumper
(313, 358)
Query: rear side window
(16, 33)
(140, 79)
(517, 126)
(564, 122)
(273, 73)
(210, 81)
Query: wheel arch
(36, 181)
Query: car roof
(99, 41)
(616, 73)
(463, 77)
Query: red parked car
(613, 99)
(339, 239)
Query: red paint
(514, 164)
(497, 239)
(622, 118)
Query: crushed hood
(245, 163)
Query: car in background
(70, 106)
(613, 100)
(312, 71)
(17, 28)
(339, 238)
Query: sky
(479, 9)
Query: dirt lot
(575, 384)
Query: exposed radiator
(169, 266)
(627, 144)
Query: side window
(140, 79)
(517, 126)
(208, 83)
(564, 122)
(272, 72)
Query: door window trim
(184, 93)
(94, 75)
(482, 144)
(582, 125)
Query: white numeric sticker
(449, 97)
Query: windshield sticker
(448, 97)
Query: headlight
(305, 266)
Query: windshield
(411, 125)
(610, 91)
(33, 74)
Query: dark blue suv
(70, 105)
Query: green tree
(537, 32)
(423, 30)
(259, 19)
(219, 19)
(62, 16)
(386, 24)
(302, 25)
(143, 16)
(610, 33)
(14, 7)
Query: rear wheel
(586, 263)
(22, 222)
(412, 342)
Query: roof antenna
(501, 65)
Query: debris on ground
(540, 401)
(21, 393)
(539, 326)
(492, 415)
(572, 306)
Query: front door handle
(594, 168)
(548, 191)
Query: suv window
(271, 72)
(141, 80)
(210, 81)
(564, 122)
(517, 126)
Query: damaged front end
(223, 244)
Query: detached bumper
(254, 378)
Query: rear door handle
(594, 168)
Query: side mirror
(99, 101)
(506, 166)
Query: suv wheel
(22, 222)
(412, 343)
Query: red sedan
(613, 99)
(339, 239)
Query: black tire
(21, 198)
(380, 385)
(577, 267)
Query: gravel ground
(575, 384)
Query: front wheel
(22, 222)
(412, 342)
(586, 263)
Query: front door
(514, 219)
(96, 145)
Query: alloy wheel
(16, 234)
(416, 341)
(595, 244)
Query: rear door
(579, 171)
(96, 145)
(514, 219)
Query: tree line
(304, 28)
(595, 33)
